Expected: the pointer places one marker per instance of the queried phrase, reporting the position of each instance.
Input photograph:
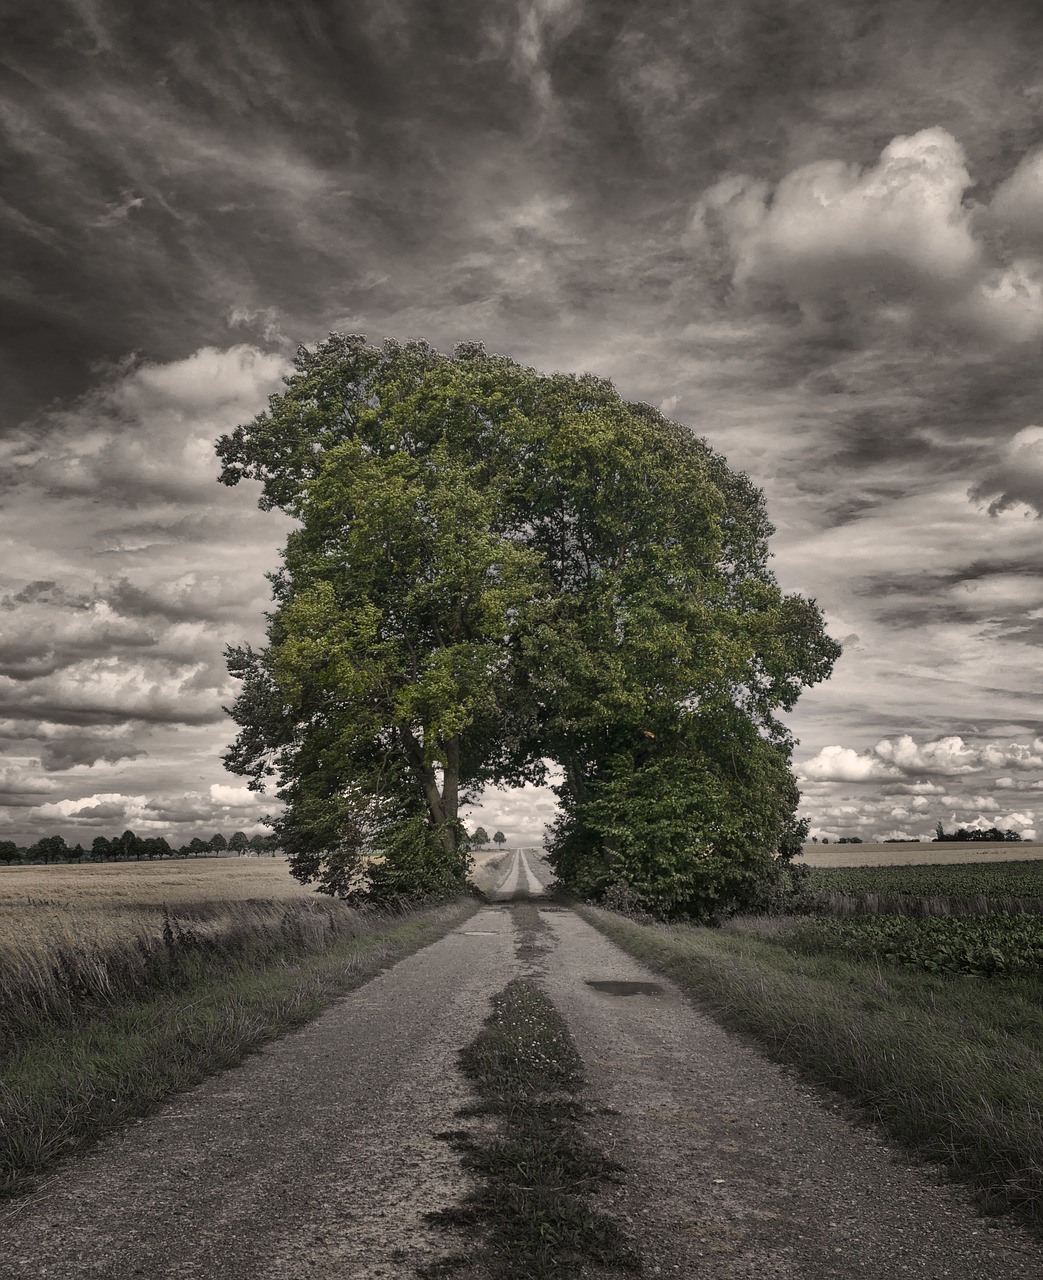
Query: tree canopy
(494, 568)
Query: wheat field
(924, 854)
(97, 915)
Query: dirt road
(317, 1156)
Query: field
(904, 855)
(994, 878)
(120, 983)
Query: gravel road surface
(317, 1156)
(737, 1169)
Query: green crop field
(994, 879)
(983, 946)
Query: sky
(812, 232)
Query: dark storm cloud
(59, 747)
(321, 158)
(631, 189)
(923, 584)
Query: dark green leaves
(494, 567)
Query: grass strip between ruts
(67, 1086)
(534, 1169)
(951, 1066)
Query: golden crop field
(927, 853)
(101, 904)
(109, 885)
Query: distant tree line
(130, 847)
(993, 835)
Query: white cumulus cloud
(1017, 203)
(842, 764)
(898, 239)
(1016, 477)
(830, 224)
(234, 797)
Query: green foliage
(416, 866)
(694, 822)
(494, 567)
(480, 837)
(9, 852)
(985, 946)
(499, 838)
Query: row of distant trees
(131, 847)
(991, 835)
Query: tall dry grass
(67, 968)
(78, 940)
(120, 985)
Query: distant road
(526, 875)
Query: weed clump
(531, 1206)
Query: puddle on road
(626, 988)
(489, 932)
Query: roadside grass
(534, 1169)
(949, 1065)
(104, 1036)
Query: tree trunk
(425, 775)
(451, 780)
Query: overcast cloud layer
(813, 232)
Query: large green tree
(495, 567)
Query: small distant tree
(9, 852)
(49, 849)
(480, 838)
(218, 842)
(157, 847)
(500, 838)
(76, 852)
(239, 842)
(129, 845)
(197, 846)
(101, 849)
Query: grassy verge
(79, 1070)
(950, 1065)
(535, 1170)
